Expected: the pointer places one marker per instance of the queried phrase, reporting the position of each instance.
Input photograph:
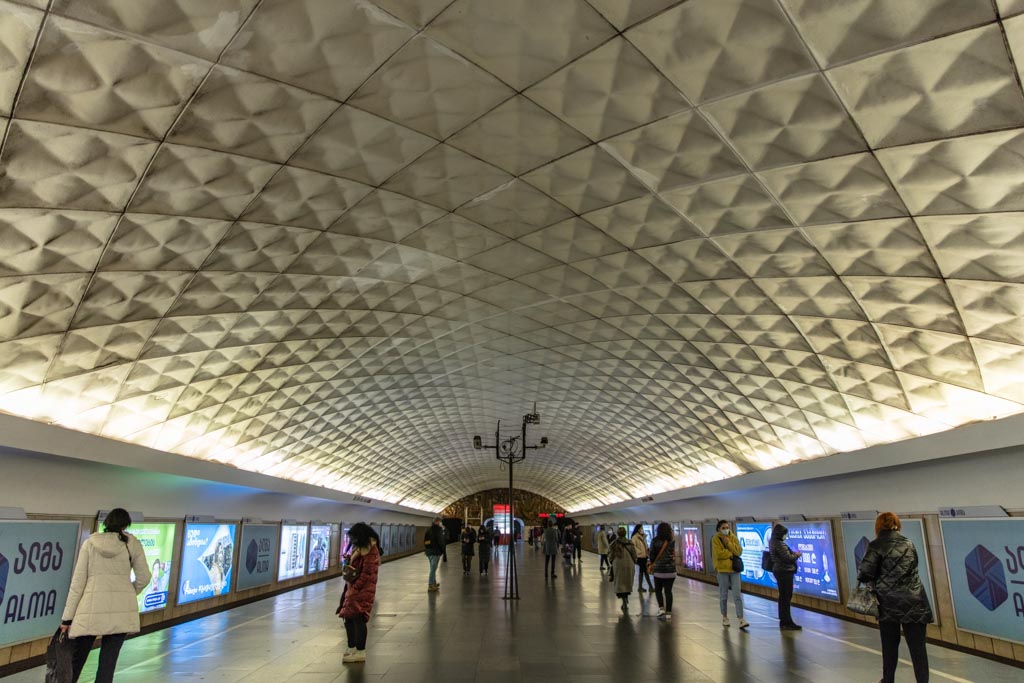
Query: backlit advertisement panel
(157, 541)
(709, 536)
(36, 562)
(258, 552)
(753, 538)
(319, 548)
(692, 548)
(207, 561)
(292, 556)
(816, 572)
(857, 534)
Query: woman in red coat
(360, 575)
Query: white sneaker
(349, 651)
(725, 621)
(357, 656)
(668, 616)
(744, 623)
(661, 613)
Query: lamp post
(510, 451)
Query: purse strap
(664, 544)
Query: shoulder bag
(737, 561)
(863, 601)
(651, 563)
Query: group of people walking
(471, 539)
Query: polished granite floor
(566, 630)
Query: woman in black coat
(890, 566)
(784, 569)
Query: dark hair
(664, 532)
(637, 529)
(360, 534)
(720, 523)
(116, 522)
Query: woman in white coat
(103, 598)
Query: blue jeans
(433, 560)
(727, 580)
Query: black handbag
(863, 601)
(737, 564)
(766, 561)
(58, 658)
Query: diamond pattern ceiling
(331, 240)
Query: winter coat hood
(108, 544)
(779, 532)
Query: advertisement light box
(816, 573)
(692, 548)
(258, 552)
(207, 561)
(319, 548)
(292, 560)
(157, 541)
(753, 538)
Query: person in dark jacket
(483, 539)
(784, 568)
(890, 566)
(468, 541)
(357, 598)
(663, 568)
(433, 546)
(549, 544)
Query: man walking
(433, 546)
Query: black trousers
(604, 561)
(467, 562)
(485, 559)
(552, 560)
(663, 593)
(915, 636)
(355, 629)
(110, 648)
(785, 580)
(579, 551)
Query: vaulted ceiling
(332, 240)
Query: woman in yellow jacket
(725, 546)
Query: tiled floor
(566, 630)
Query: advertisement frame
(78, 546)
(699, 526)
(949, 576)
(309, 549)
(305, 552)
(176, 549)
(275, 554)
(230, 585)
(835, 559)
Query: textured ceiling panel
(331, 240)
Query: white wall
(53, 484)
(987, 478)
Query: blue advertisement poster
(985, 561)
(816, 572)
(36, 562)
(858, 534)
(319, 547)
(157, 539)
(753, 538)
(258, 555)
(207, 561)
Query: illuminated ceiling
(330, 241)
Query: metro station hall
(533, 341)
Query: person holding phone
(725, 547)
(784, 561)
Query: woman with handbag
(890, 566)
(623, 557)
(663, 568)
(639, 540)
(725, 552)
(360, 575)
(103, 599)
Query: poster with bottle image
(816, 573)
(292, 557)
(319, 548)
(207, 561)
(157, 541)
